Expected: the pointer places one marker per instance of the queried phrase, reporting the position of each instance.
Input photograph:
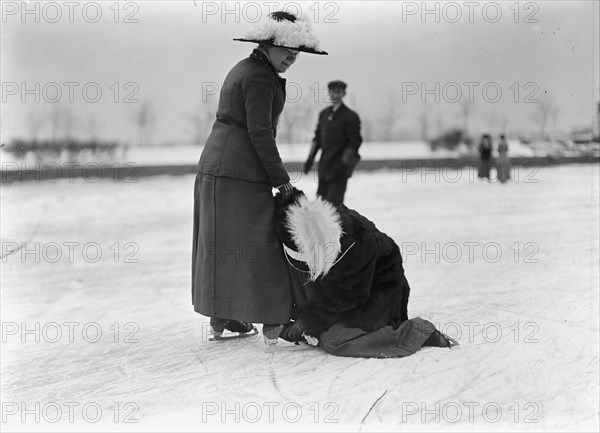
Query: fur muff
(365, 287)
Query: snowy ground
(188, 155)
(511, 271)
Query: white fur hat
(283, 29)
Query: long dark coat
(365, 289)
(238, 268)
(485, 158)
(242, 142)
(335, 133)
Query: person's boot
(437, 339)
(217, 326)
(239, 326)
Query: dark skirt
(485, 164)
(238, 267)
(386, 342)
(504, 168)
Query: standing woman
(239, 273)
(503, 160)
(485, 156)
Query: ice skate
(235, 336)
(241, 329)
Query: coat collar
(331, 114)
(260, 56)
(341, 108)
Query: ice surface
(510, 271)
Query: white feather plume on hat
(297, 34)
(316, 229)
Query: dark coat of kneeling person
(355, 300)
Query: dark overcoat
(365, 289)
(238, 268)
(485, 158)
(335, 132)
(242, 142)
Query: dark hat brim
(268, 41)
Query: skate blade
(220, 337)
(452, 342)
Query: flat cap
(337, 84)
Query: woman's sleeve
(259, 92)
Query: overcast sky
(388, 53)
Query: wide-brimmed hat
(284, 29)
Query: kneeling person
(355, 301)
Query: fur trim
(285, 33)
(316, 229)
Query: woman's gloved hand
(286, 190)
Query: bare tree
(545, 112)
(62, 123)
(55, 121)
(201, 121)
(92, 127)
(491, 121)
(144, 118)
(465, 109)
(196, 122)
(35, 123)
(366, 129)
(439, 120)
(504, 124)
(68, 124)
(554, 120)
(390, 118)
(287, 124)
(424, 121)
(297, 121)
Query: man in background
(338, 137)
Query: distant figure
(485, 156)
(338, 136)
(503, 160)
